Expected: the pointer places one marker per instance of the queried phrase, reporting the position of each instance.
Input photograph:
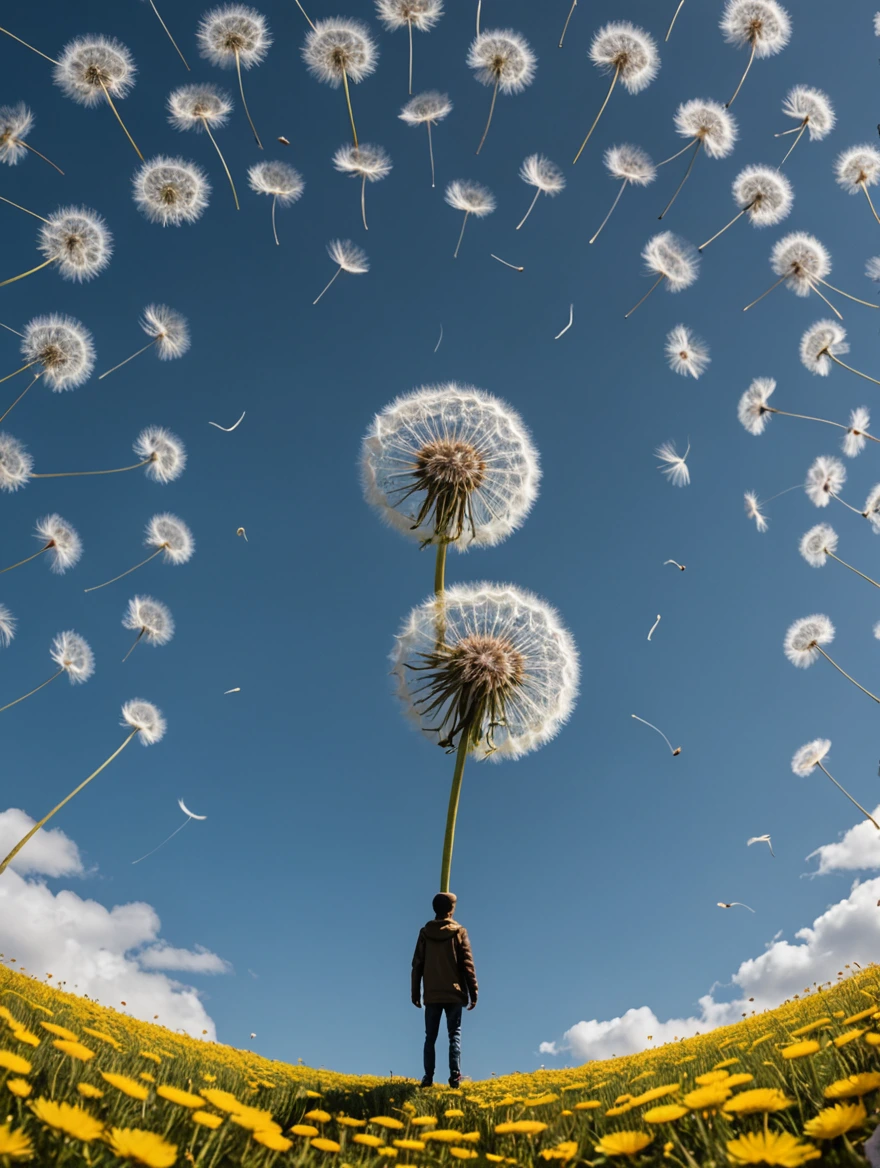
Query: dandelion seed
(672, 259)
(675, 468)
(654, 626)
(7, 627)
(857, 432)
(754, 413)
(229, 691)
(169, 1092)
(544, 175)
(568, 326)
(761, 839)
(170, 537)
(439, 339)
(506, 264)
(707, 125)
(857, 169)
(199, 107)
(803, 647)
(235, 37)
(420, 14)
(821, 346)
(825, 478)
(567, 21)
(819, 544)
(151, 619)
(61, 544)
(629, 54)
(675, 751)
(502, 59)
(77, 240)
(628, 164)
(168, 330)
(763, 194)
(813, 110)
(229, 429)
(171, 191)
(753, 511)
(16, 122)
(73, 656)
(734, 904)
(241, 532)
(95, 68)
(810, 756)
(162, 455)
(15, 463)
(339, 51)
(349, 257)
(284, 183)
(427, 109)
(369, 163)
(472, 198)
(763, 25)
(62, 347)
(801, 262)
(686, 353)
(681, 567)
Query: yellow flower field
(82, 1084)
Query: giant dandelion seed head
(710, 123)
(278, 179)
(339, 46)
(630, 163)
(73, 654)
(854, 440)
(233, 33)
(146, 719)
(429, 107)
(450, 464)
(15, 124)
(805, 636)
(763, 24)
(91, 67)
(471, 197)
(765, 192)
(171, 191)
(420, 14)
(165, 451)
(857, 167)
(62, 540)
(686, 353)
(802, 259)
(630, 52)
(168, 328)
(808, 757)
(822, 341)
(15, 463)
(152, 618)
(504, 675)
(348, 256)
(825, 478)
(667, 254)
(540, 172)
(78, 241)
(813, 107)
(7, 626)
(753, 411)
(753, 511)
(504, 58)
(173, 536)
(193, 107)
(63, 347)
(674, 465)
(370, 162)
(817, 544)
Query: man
(443, 960)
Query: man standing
(443, 960)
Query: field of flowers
(86, 1085)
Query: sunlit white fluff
(371, 163)
(686, 353)
(7, 627)
(753, 411)
(16, 122)
(672, 257)
(872, 508)
(764, 194)
(813, 108)
(825, 478)
(855, 440)
(427, 108)
(278, 179)
(172, 536)
(753, 511)
(622, 48)
(78, 241)
(168, 328)
(151, 618)
(708, 123)
(630, 163)
(233, 34)
(857, 167)
(808, 757)
(199, 107)
(802, 260)
(502, 58)
(764, 25)
(471, 197)
(171, 191)
(675, 466)
(872, 268)
(91, 67)
(15, 463)
(817, 544)
(339, 46)
(538, 171)
(63, 347)
(73, 654)
(821, 341)
(61, 542)
(165, 451)
(803, 638)
(146, 719)
(349, 257)
(420, 14)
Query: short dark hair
(444, 903)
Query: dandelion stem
(800, 134)
(610, 213)
(531, 205)
(728, 104)
(134, 646)
(336, 273)
(513, 267)
(672, 22)
(840, 292)
(58, 807)
(168, 34)
(574, 4)
(30, 694)
(864, 187)
(20, 396)
(867, 814)
(687, 175)
(599, 114)
(656, 284)
(677, 154)
(73, 474)
(223, 160)
(364, 201)
(767, 293)
(121, 122)
(730, 224)
(354, 132)
(843, 365)
(27, 46)
(9, 376)
(22, 275)
(855, 683)
(848, 506)
(95, 587)
(452, 812)
(409, 28)
(810, 418)
(127, 359)
(826, 300)
(244, 99)
(169, 837)
(461, 235)
(20, 208)
(11, 330)
(431, 154)
(439, 568)
(851, 568)
(274, 227)
(491, 112)
(305, 14)
(27, 561)
(33, 150)
(479, 8)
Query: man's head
(444, 904)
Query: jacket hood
(441, 930)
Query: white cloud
(111, 955)
(857, 849)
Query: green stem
(30, 693)
(452, 813)
(439, 569)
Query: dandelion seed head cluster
(165, 451)
(146, 719)
(854, 440)
(471, 197)
(686, 353)
(762, 24)
(668, 255)
(16, 122)
(348, 256)
(709, 123)
(822, 341)
(338, 46)
(420, 14)
(279, 179)
(765, 193)
(802, 260)
(7, 627)
(813, 106)
(627, 50)
(63, 347)
(15, 463)
(426, 108)
(151, 617)
(78, 240)
(370, 162)
(540, 172)
(171, 535)
(804, 638)
(752, 409)
(817, 544)
(630, 163)
(825, 478)
(233, 34)
(72, 654)
(857, 167)
(808, 757)
(504, 58)
(171, 191)
(62, 541)
(91, 67)
(168, 328)
(193, 107)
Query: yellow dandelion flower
(848, 1036)
(463, 1153)
(853, 1085)
(508, 1101)
(643, 1075)
(306, 1129)
(666, 1113)
(418, 1121)
(838, 1013)
(624, 1143)
(410, 1145)
(491, 1156)
(387, 1152)
(808, 1029)
(763, 1099)
(14, 1062)
(60, 1031)
(622, 1099)
(860, 1016)
(7, 1017)
(727, 1063)
(668, 1149)
(739, 1079)
(72, 1121)
(872, 1038)
(622, 1110)
(127, 1086)
(540, 1100)
(711, 1077)
(272, 1139)
(587, 1105)
(656, 1093)
(469, 1137)
(567, 1150)
(529, 1127)
(707, 1098)
(313, 1095)
(565, 1111)
(779, 1148)
(570, 1087)
(254, 1120)
(326, 1145)
(382, 1121)
(210, 1078)
(89, 1092)
(144, 1147)
(448, 1136)
(222, 1100)
(318, 1116)
(348, 1121)
(764, 1038)
(14, 1145)
(182, 1098)
(74, 1050)
(102, 1037)
(147, 1077)
(206, 1119)
(800, 1049)
(361, 1138)
(832, 1122)
(148, 1054)
(453, 1111)
(19, 1087)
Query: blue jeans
(433, 1014)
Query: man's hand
(417, 1003)
(471, 1006)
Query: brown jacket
(443, 959)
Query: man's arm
(466, 965)
(418, 968)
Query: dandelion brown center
(95, 75)
(52, 356)
(448, 471)
(74, 245)
(169, 194)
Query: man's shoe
(426, 1082)
(455, 1081)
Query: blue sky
(588, 872)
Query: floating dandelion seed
(674, 18)
(427, 109)
(803, 647)
(168, 34)
(143, 719)
(171, 191)
(763, 25)
(821, 345)
(94, 68)
(166, 534)
(63, 349)
(241, 532)
(753, 511)
(168, 330)
(733, 904)
(7, 627)
(824, 481)
(61, 544)
(151, 619)
(339, 51)
(681, 567)
(502, 681)
(672, 259)
(563, 331)
(199, 107)
(761, 839)
(628, 164)
(654, 626)
(420, 14)
(754, 413)
(162, 455)
(567, 22)
(629, 54)
(284, 183)
(857, 169)
(229, 429)
(763, 194)
(349, 257)
(472, 198)
(235, 37)
(810, 756)
(77, 240)
(15, 463)
(450, 465)
(544, 175)
(686, 353)
(813, 110)
(513, 267)
(369, 163)
(801, 262)
(189, 816)
(675, 465)
(857, 432)
(502, 59)
(674, 750)
(16, 122)
(819, 544)
(707, 126)
(73, 656)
